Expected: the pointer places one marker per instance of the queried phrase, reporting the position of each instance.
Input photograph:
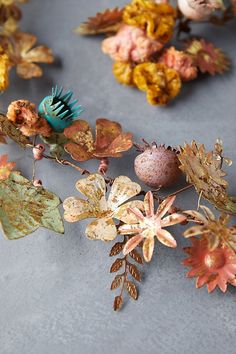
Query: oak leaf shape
(24, 208)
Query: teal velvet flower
(58, 109)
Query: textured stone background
(54, 295)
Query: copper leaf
(116, 265)
(116, 282)
(132, 290)
(118, 302)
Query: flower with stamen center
(150, 225)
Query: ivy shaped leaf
(24, 208)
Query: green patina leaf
(9, 129)
(24, 208)
(56, 143)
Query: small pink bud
(38, 151)
(37, 183)
(103, 167)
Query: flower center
(214, 260)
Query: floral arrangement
(17, 48)
(132, 219)
(120, 210)
(140, 42)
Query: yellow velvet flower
(159, 82)
(4, 70)
(157, 19)
(123, 73)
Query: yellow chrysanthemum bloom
(4, 70)
(157, 20)
(159, 82)
(123, 73)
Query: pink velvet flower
(130, 44)
(181, 62)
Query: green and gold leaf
(24, 208)
(9, 129)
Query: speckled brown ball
(157, 166)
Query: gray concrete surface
(54, 295)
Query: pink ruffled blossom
(181, 62)
(130, 44)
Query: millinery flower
(215, 231)
(199, 10)
(123, 73)
(23, 114)
(5, 167)
(159, 82)
(4, 70)
(211, 268)
(207, 58)
(110, 140)
(130, 44)
(157, 20)
(150, 225)
(96, 206)
(10, 14)
(181, 62)
(24, 56)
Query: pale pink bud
(38, 151)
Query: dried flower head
(96, 206)
(24, 56)
(10, 14)
(207, 58)
(159, 82)
(157, 20)
(5, 167)
(123, 73)
(4, 70)
(110, 140)
(211, 268)
(181, 62)
(215, 231)
(130, 44)
(23, 114)
(199, 10)
(150, 225)
(204, 171)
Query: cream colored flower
(103, 210)
(151, 225)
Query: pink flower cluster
(181, 62)
(130, 44)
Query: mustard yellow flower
(159, 82)
(157, 19)
(4, 70)
(123, 73)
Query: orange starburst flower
(5, 167)
(211, 268)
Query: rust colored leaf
(5, 167)
(116, 282)
(12, 132)
(118, 302)
(104, 22)
(134, 272)
(132, 290)
(116, 265)
(116, 249)
(136, 256)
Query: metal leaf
(24, 208)
(116, 249)
(134, 272)
(132, 290)
(12, 132)
(136, 256)
(118, 302)
(116, 282)
(116, 265)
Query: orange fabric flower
(181, 62)
(213, 268)
(23, 114)
(130, 44)
(157, 20)
(159, 82)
